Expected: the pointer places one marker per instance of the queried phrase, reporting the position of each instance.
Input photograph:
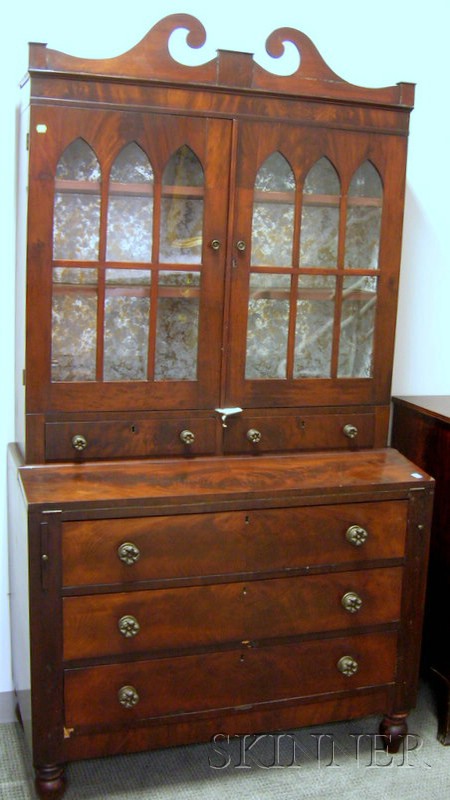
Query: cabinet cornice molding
(150, 61)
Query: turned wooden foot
(50, 781)
(393, 729)
(442, 686)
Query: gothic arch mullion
(339, 285)
(101, 292)
(294, 281)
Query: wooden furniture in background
(421, 430)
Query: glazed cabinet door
(315, 264)
(127, 220)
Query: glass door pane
(74, 324)
(126, 325)
(76, 220)
(130, 207)
(182, 209)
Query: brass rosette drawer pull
(187, 437)
(254, 436)
(356, 535)
(350, 431)
(128, 626)
(79, 442)
(128, 696)
(351, 602)
(128, 553)
(347, 665)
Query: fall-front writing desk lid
(266, 479)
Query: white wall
(378, 44)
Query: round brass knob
(350, 431)
(128, 626)
(351, 602)
(241, 245)
(187, 437)
(79, 442)
(356, 535)
(128, 553)
(128, 696)
(254, 436)
(215, 244)
(347, 665)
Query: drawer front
(186, 546)
(165, 619)
(122, 438)
(118, 694)
(256, 433)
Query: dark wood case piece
(421, 430)
(177, 590)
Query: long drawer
(264, 540)
(122, 438)
(257, 433)
(164, 619)
(118, 694)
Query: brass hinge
(24, 377)
(27, 145)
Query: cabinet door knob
(356, 535)
(350, 431)
(128, 696)
(351, 602)
(215, 244)
(347, 665)
(241, 245)
(254, 436)
(187, 437)
(128, 626)
(79, 443)
(128, 553)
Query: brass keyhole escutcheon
(128, 553)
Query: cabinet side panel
(19, 600)
(21, 248)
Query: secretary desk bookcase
(216, 536)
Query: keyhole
(133, 429)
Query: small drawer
(184, 546)
(122, 438)
(117, 694)
(254, 433)
(158, 620)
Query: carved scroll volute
(149, 59)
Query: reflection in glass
(76, 220)
(273, 214)
(177, 326)
(182, 209)
(130, 207)
(74, 324)
(267, 326)
(362, 240)
(320, 216)
(314, 326)
(357, 327)
(126, 325)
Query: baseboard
(7, 707)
